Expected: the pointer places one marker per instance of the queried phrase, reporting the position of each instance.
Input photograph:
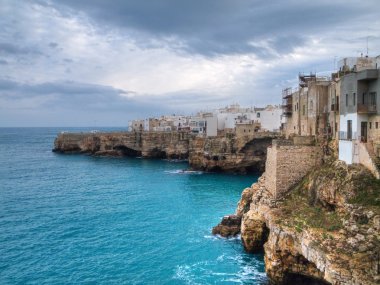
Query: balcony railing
(347, 136)
(367, 109)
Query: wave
(183, 171)
(219, 237)
(204, 272)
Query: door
(364, 132)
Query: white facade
(270, 118)
(212, 126)
(197, 125)
(136, 125)
(346, 150)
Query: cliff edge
(325, 230)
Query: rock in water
(229, 226)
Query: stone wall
(287, 164)
(366, 159)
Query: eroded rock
(229, 226)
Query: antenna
(367, 45)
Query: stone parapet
(287, 164)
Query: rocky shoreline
(217, 154)
(326, 230)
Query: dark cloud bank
(209, 28)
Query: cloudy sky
(104, 62)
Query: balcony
(367, 109)
(287, 109)
(367, 74)
(334, 107)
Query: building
(269, 118)
(247, 128)
(359, 110)
(306, 107)
(333, 106)
(198, 125)
(136, 125)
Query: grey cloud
(223, 26)
(12, 49)
(3, 62)
(53, 45)
(71, 95)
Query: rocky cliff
(245, 154)
(145, 144)
(326, 230)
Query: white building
(269, 118)
(136, 125)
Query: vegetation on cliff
(326, 228)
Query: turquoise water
(76, 219)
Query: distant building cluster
(231, 119)
(345, 107)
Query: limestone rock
(318, 234)
(229, 226)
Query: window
(349, 129)
(346, 100)
(370, 125)
(354, 99)
(372, 98)
(377, 125)
(258, 115)
(303, 110)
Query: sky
(105, 62)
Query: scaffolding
(287, 101)
(304, 79)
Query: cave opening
(257, 168)
(264, 236)
(158, 153)
(299, 279)
(216, 169)
(126, 151)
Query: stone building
(306, 108)
(333, 106)
(247, 128)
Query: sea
(79, 219)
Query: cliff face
(147, 144)
(232, 154)
(325, 231)
(244, 154)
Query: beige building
(246, 128)
(306, 108)
(333, 105)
